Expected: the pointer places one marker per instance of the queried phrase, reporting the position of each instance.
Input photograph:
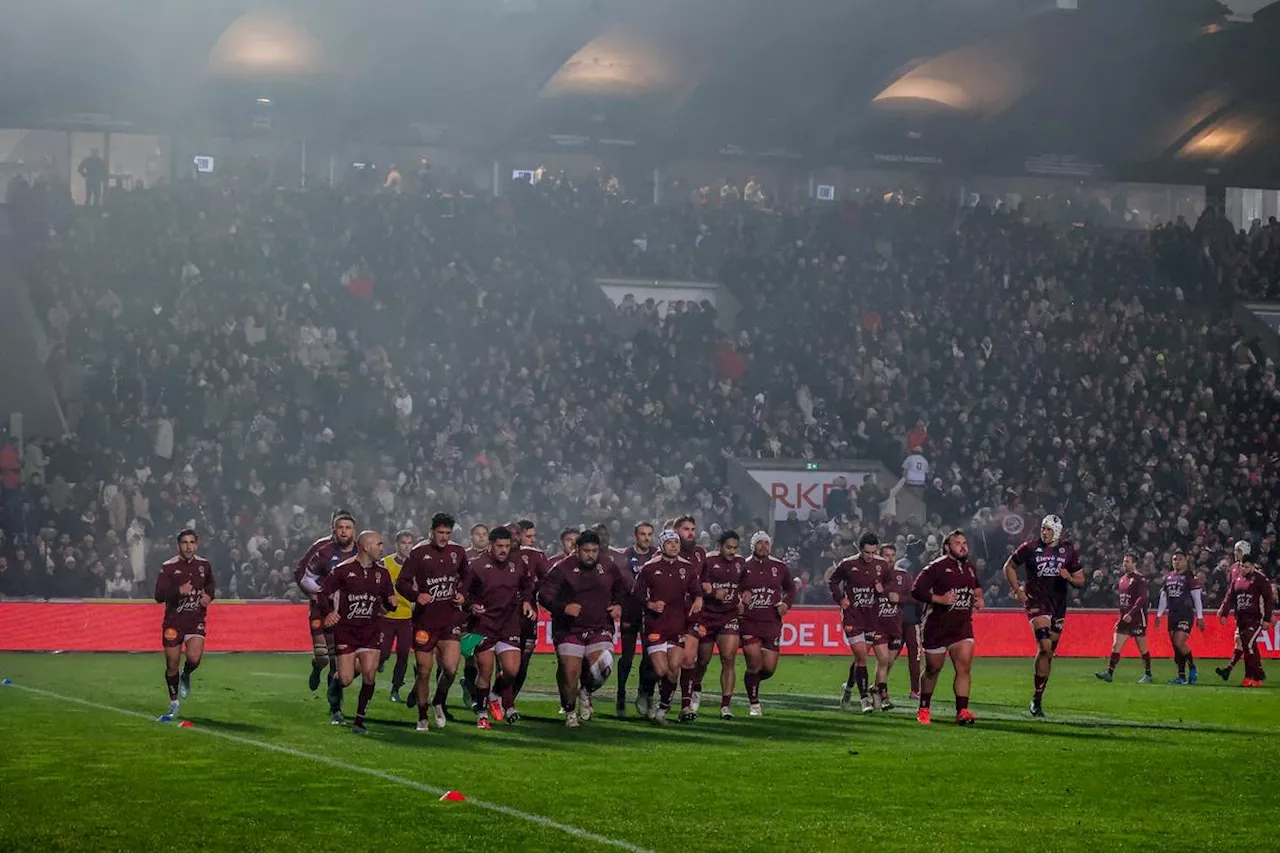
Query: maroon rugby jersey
(595, 589)
(1041, 563)
(1132, 598)
(764, 584)
(1178, 587)
(943, 575)
(673, 582)
(173, 574)
(1251, 598)
(721, 573)
(319, 560)
(695, 554)
(535, 562)
(358, 594)
(438, 572)
(892, 581)
(855, 578)
(502, 587)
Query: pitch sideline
(539, 820)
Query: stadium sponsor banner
(801, 490)
(282, 627)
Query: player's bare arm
(1011, 575)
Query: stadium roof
(1170, 90)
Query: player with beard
(721, 574)
(951, 593)
(910, 616)
(693, 553)
(498, 589)
(853, 587)
(1252, 600)
(893, 588)
(397, 625)
(1183, 597)
(353, 598)
(568, 542)
(584, 596)
(630, 622)
(672, 593)
(1052, 565)
(319, 560)
(185, 586)
(1132, 599)
(537, 564)
(432, 579)
(767, 592)
(1241, 550)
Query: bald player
(353, 598)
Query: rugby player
(497, 590)
(853, 587)
(1132, 601)
(1252, 600)
(634, 557)
(185, 586)
(767, 592)
(1051, 564)
(671, 590)
(318, 561)
(353, 598)
(397, 625)
(1241, 550)
(721, 574)
(1182, 596)
(893, 588)
(951, 593)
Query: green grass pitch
(1119, 766)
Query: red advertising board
(122, 626)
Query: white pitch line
(568, 829)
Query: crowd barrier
(268, 626)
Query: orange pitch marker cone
(452, 797)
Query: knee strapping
(1042, 634)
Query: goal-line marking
(497, 808)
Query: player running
(910, 617)
(432, 579)
(479, 545)
(721, 574)
(353, 598)
(853, 587)
(319, 560)
(1241, 550)
(767, 592)
(690, 690)
(397, 624)
(893, 588)
(498, 590)
(1132, 600)
(950, 592)
(634, 557)
(535, 562)
(1183, 597)
(671, 590)
(1051, 564)
(584, 596)
(1252, 600)
(185, 586)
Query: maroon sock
(686, 688)
(1180, 659)
(925, 699)
(422, 711)
(362, 704)
(697, 684)
(752, 681)
(665, 691)
(1112, 661)
(1235, 659)
(508, 695)
(853, 675)
(863, 680)
(962, 703)
(441, 697)
(1253, 663)
(1041, 682)
(171, 681)
(1146, 662)
(724, 699)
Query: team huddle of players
(446, 604)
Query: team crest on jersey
(453, 557)
(774, 570)
(682, 574)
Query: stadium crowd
(254, 359)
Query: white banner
(801, 490)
